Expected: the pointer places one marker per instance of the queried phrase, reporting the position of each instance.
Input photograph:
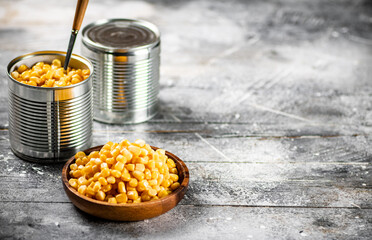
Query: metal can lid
(120, 35)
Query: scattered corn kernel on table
(269, 104)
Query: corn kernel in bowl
(49, 75)
(124, 172)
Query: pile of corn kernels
(45, 75)
(124, 172)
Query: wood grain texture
(81, 7)
(268, 103)
(188, 222)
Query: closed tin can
(126, 58)
(49, 124)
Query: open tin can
(49, 124)
(126, 58)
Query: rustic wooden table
(268, 103)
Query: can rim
(97, 46)
(49, 52)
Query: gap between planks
(353, 206)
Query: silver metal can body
(126, 58)
(49, 124)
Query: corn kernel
(139, 175)
(111, 179)
(160, 179)
(171, 163)
(82, 189)
(174, 177)
(87, 170)
(133, 182)
(121, 187)
(133, 195)
(143, 185)
(103, 181)
(160, 151)
(121, 198)
(80, 155)
(127, 154)
(140, 167)
(90, 180)
(130, 167)
(96, 176)
(125, 176)
(173, 170)
(50, 83)
(138, 200)
(143, 152)
(85, 160)
(134, 150)
(163, 193)
(115, 152)
(155, 175)
(140, 143)
(147, 174)
(106, 188)
(77, 173)
(108, 145)
(103, 158)
(165, 183)
(97, 161)
(175, 185)
(73, 183)
(112, 200)
(90, 191)
(121, 158)
(15, 75)
(153, 182)
(79, 161)
(145, 197)
(156, 188)
(110, 160)
(159, 164)
(120, 166)
(116, 173)
(152, 192)
(104, 165)
(129, 188)
(73, 166)
(86, 72)
(151, 164)
(22, 68)
(94, 154)
(97, 186)
(82, 180)
(56, 62)
(100, 195)
(106, 172)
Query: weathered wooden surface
(269, 103)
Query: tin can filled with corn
(126, 57)
(50, 109)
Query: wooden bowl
(129, 211)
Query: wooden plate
(130, 211)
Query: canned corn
(49, 124)
(126, 58)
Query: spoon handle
(81, 6)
